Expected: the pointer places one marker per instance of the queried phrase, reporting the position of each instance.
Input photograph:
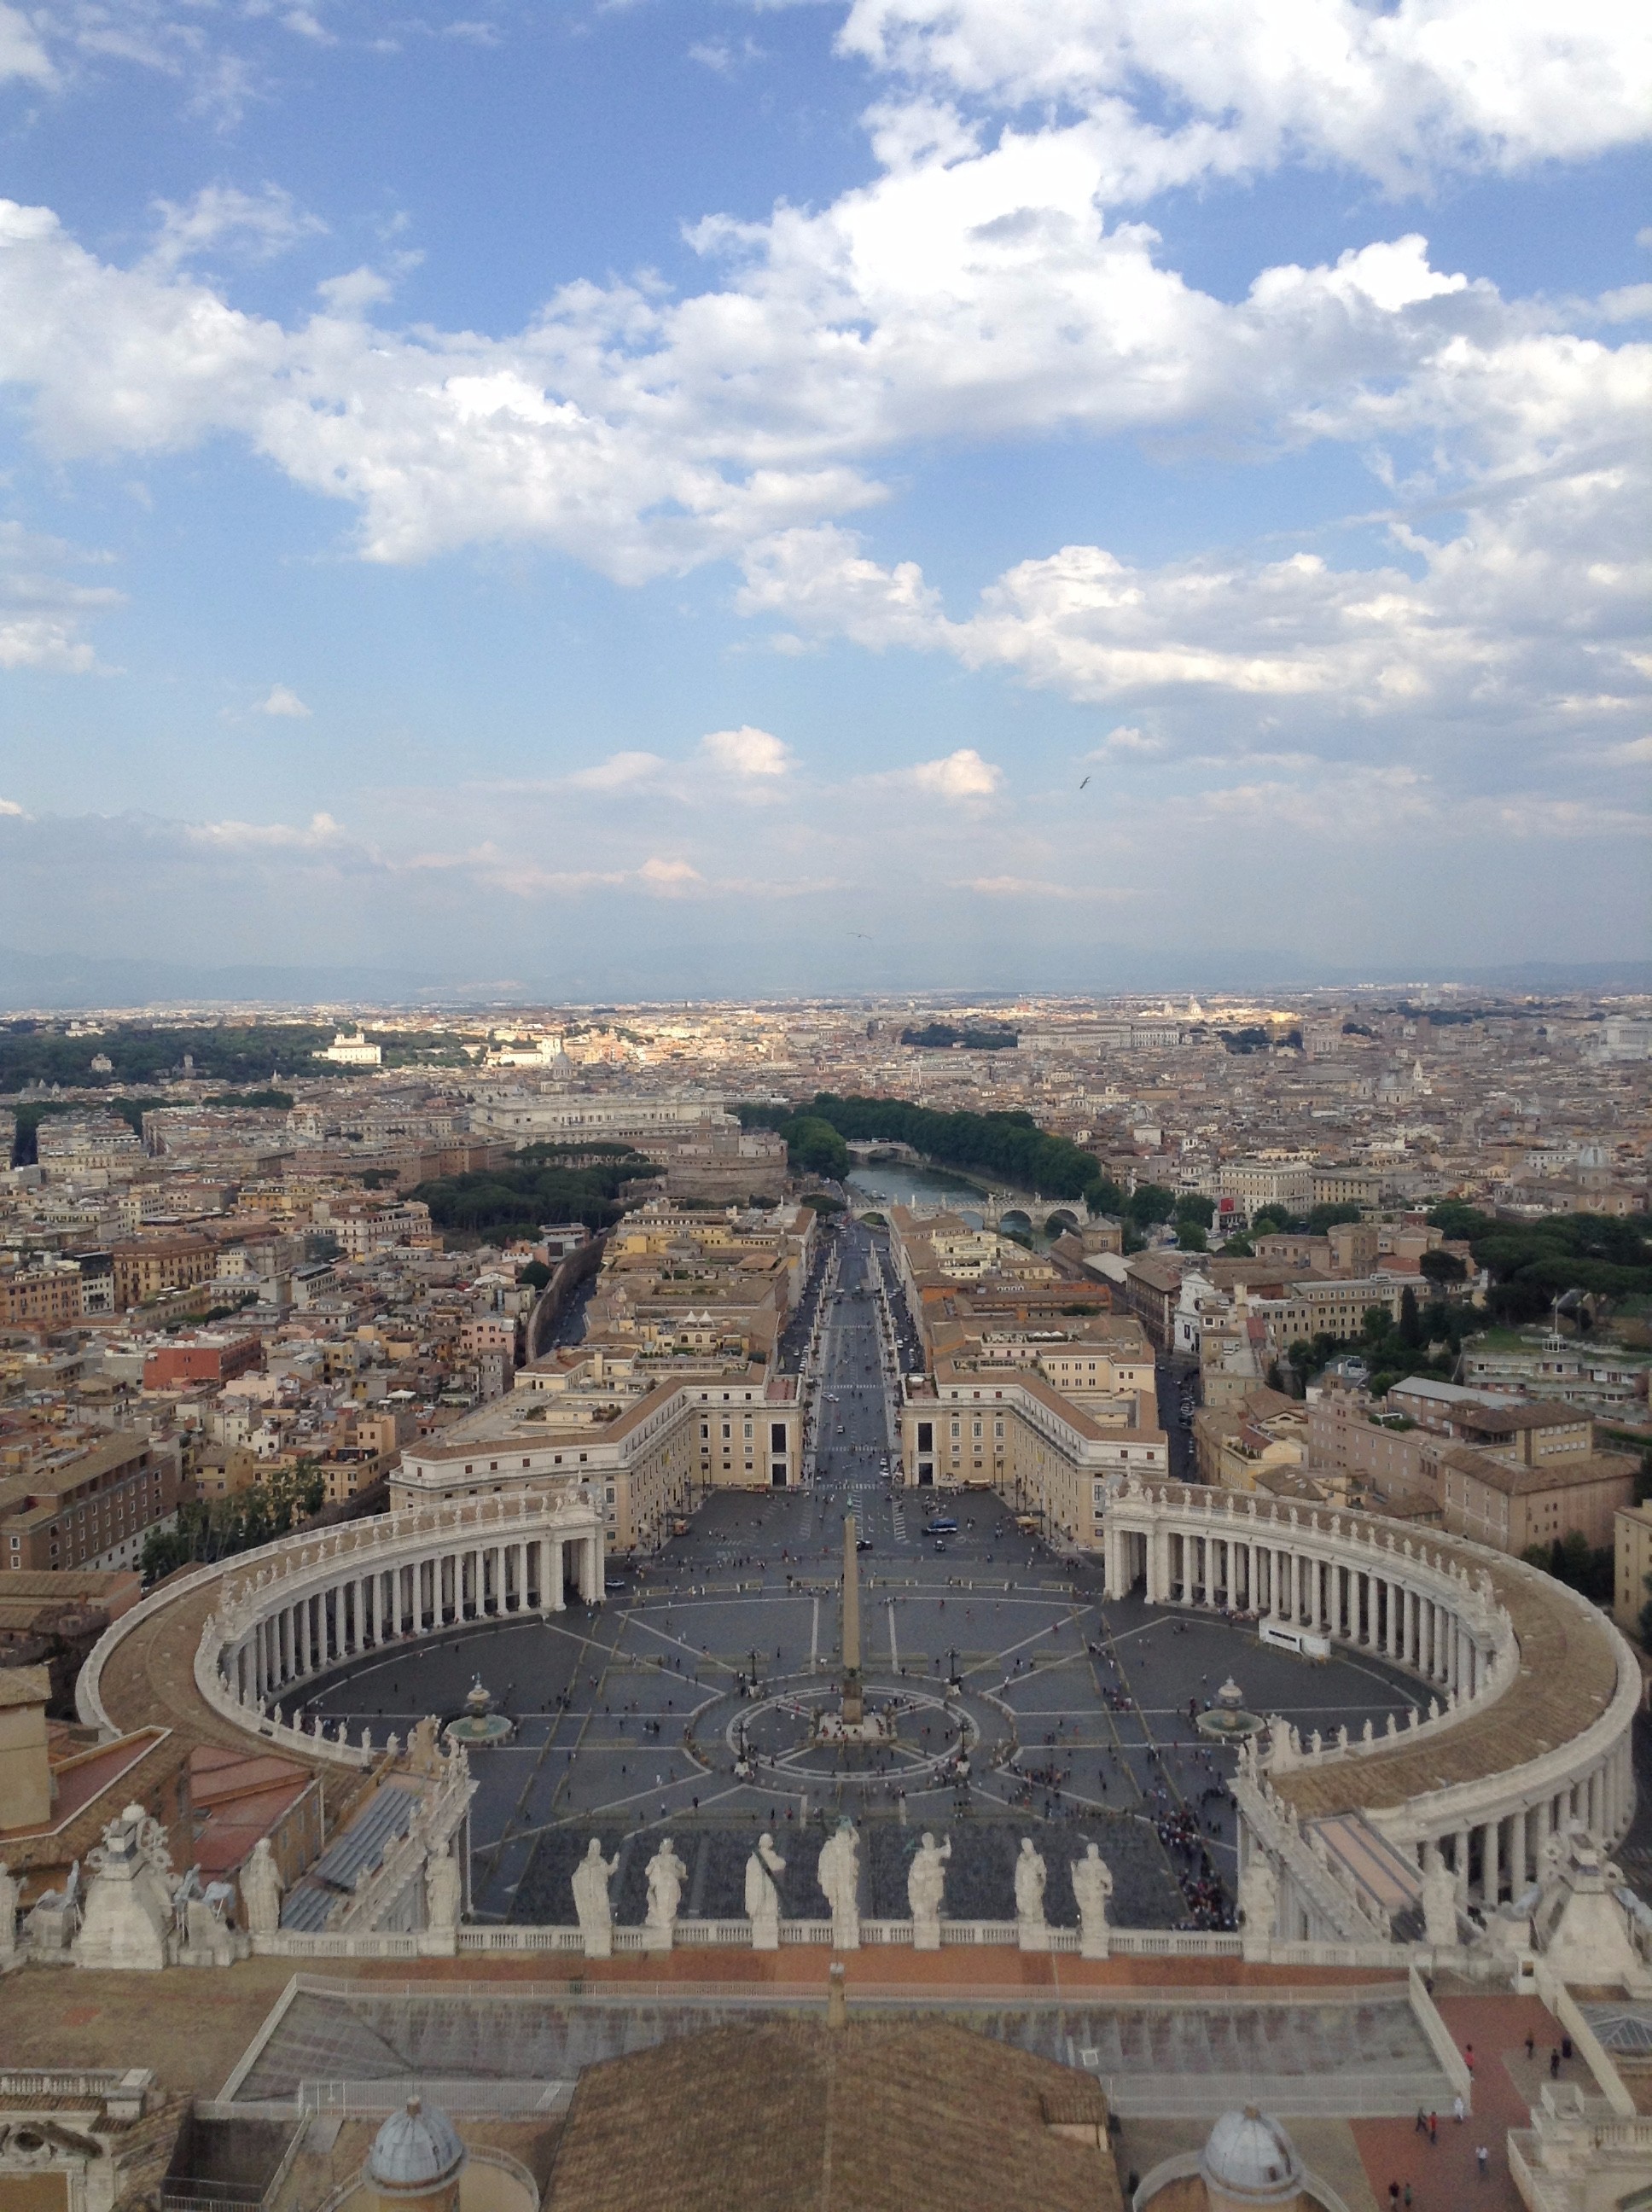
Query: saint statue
(444, 1890)
(261, 1890)
(1030, 1878)
(926, 1890)
(763, 1899)
(1439, 1900)
(839, 1876)
(666, 1875)
(591, 1879)
(1092, 1886)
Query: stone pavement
(1444, 2176)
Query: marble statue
(839, 1876)
(596, 1916)
(423, 1752)
(926, 1890)
(1092, 1886)
(666, 1875)
(1259, 1905)
(1032, 1931)
(1439, 1900)
(763, 1899)
(261, 1890)
(444, 1890)
(8, 1915)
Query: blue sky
(637, 496)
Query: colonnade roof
(1565, 1676)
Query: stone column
(1490, 1876)
(1461, 1866)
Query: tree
(536, 1275)
(1150, 1202)
(1238, 1247)
(1443, 1267)
(1269, 1220)
(1191, 1237)
(1410, 1333)
(1194, 1206)
(814, 1147)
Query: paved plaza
(1073, 1716)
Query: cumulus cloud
(746, 752)
(284, 704)
(10, 806)
(42, 611)
(961, 775)
(1180, 90)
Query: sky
(679, 496)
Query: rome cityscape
(825, 1108)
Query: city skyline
(872, 497)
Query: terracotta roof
(874, 2117)
(1514, 1478)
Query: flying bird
(1082, 785)
(866, 933)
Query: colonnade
(1489, 1806)
(1377, 1607)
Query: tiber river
(892, 1182)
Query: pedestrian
(1406, 2199)
(1458, 2110)
(1530, 2044)
(1421, 2129)
(1394, 2196)
(1434, 2127)
(1554, 2065)
(1468, 2057)
(1482, 2161)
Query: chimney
(837, 2005)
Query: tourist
(1482, 2161)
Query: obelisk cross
(852, 1709)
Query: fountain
(479, 1723)
(1227, 1721)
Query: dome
(1248, 2158)
(416, 2150)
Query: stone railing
(736, 1935)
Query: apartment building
(45, 1294)
(1334, 1307)
(211, 1356)
(146, 1268)
(89, 1507)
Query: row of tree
(532, 1190)
(218, 1528)
(1009, 1147)
(1533, 1263)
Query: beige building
(1512, 1503)
(1631, 1581)
(648, 1444)
(1009, 1429)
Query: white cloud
(1179, 89)
(41, 611)
(22, 54)
(669, 879)
(1045, 887)
(283, 703)
(320, 833)
(746, 752)
(619, 772)
(961, 775)
(1126, 740)
(258, 226)
(10, 806)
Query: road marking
(814, 1636)
(894, 1648)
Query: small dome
(1251, 2160)
(417, 2149)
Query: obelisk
(852, 1709)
